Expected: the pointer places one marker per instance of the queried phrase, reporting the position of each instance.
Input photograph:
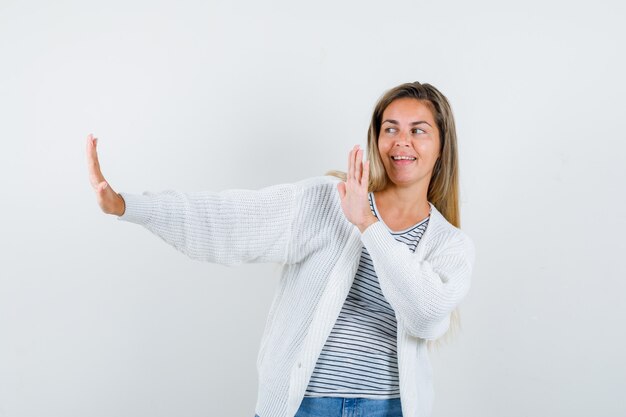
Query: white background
(101, 318)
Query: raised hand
(109, 201)
(353, 192)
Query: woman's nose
(403, 139)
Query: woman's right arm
(227, 227)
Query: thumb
(341, 187)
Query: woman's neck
(402, 202)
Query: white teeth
(396, 158)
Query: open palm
(353, 192)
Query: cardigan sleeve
(228, 227)
(422, 292)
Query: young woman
(374, 262)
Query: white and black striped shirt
(359, 358)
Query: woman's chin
(404, 180)
(399, 182)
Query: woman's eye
(417, 130)
(391, 130)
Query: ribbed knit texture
(302, 226)
(359, 358)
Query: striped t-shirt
(359, 358)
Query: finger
(106, 194)
(350, 165)
(101, 189)
(341, 187)
(348, 173)
(92, 154)
(95, 174)
(366, 174)
(358, 165)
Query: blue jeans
(348, 407)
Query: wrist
(367, 223)
(121, 206)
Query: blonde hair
(443, 189)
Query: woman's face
(408, 130)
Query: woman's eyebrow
(395, 122)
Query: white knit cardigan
(301, 226)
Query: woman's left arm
(422, 292)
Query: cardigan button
(299, 364)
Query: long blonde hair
(443, 190)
